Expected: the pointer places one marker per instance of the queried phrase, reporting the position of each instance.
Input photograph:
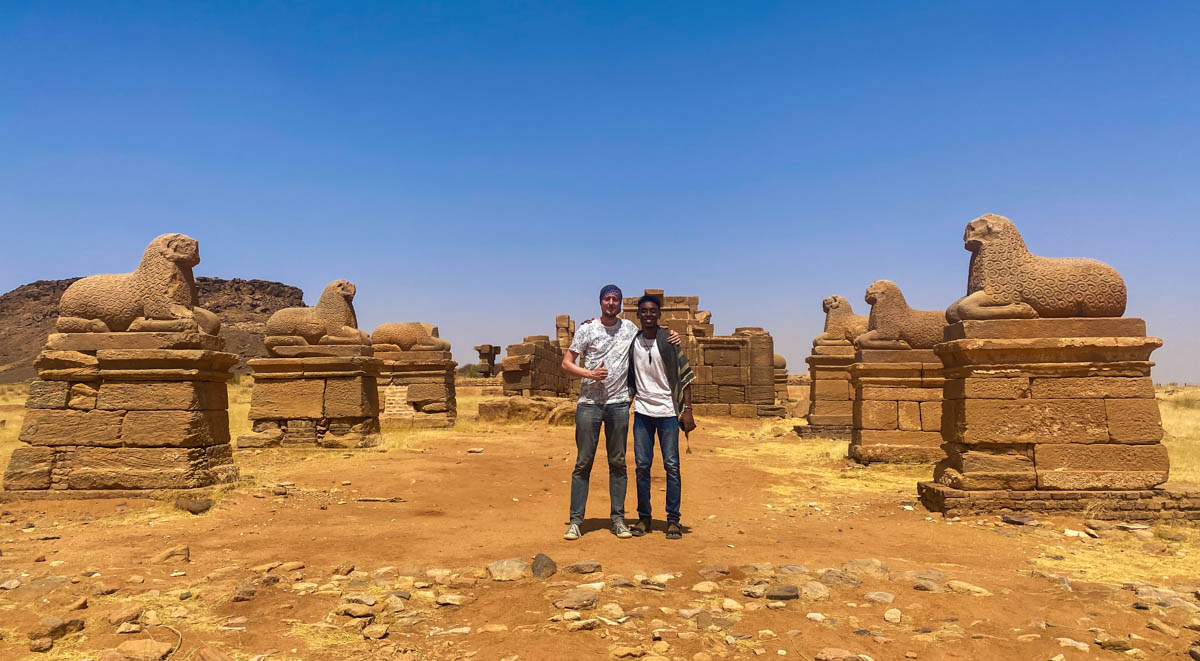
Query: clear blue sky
(486, 166)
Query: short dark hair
(649, 297)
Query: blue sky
(486, 166)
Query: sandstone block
(310, 350)
(990, 481)
(931, 416)
(421, 393)
(355, 397)
(712, 409)
(1028, 421)
(495, 410)
(704, 394)
(987, 388)
(971, 459)
(834, 390)
(730, 376)
(1097, 387)
(140, 468)
(1133, 420)
(83, 397)
(762, 376)
(876, 415)
(1050, 327)
(179, 429)
(161, 395)
(290, 398)
(760, 394)
(1100, 480)
(48, 394)
(29, 468)
(67, 366)
(832, 408)
(900, 394)
(731, 394)
(1101, 457)
(909, 415)
(834, 350)
(67, 427)
(888, 453)
(139, 340)
(721, 356)
(840, 420)
(743, 410)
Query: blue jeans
(588, 418)
(644, 428)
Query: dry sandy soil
(755, 499)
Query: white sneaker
(572, 532)
(621, 530)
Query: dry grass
(1123, 557)
(1180, 410)
(808, 468)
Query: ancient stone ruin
(897, 381)
(533, 368)
(320, 385)
(831, 407)
(781, 378)
(130, 397)
(488, 353)
(1048, 394)
(735, 374)
(416, 379)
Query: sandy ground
(749, 496)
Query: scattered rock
(474, 450)
(962, 587)
(357, 610)
(705, 587)
(836, 654)
(509, 569)
(789, 568)
(127, 613)
(10, 584)
(41, 645)
(782, 592)
(715, 572)
(543, 566)
(612, 611)
(244, 592)
(375, 631)
(892, 615)
(78, 605)
(815, 591)
(585, 567)
(730, 605)
(180, 552)
(130, 627)
(583, 625)
(836, 578)
(144, 650)
(867, 567)
(925, 585)
(53, 628)
(1018, 519)
(880, 597)
(626, 652)
(1158, 625)
(1113, 643)
(295, 565)
(450, 600)
(1067, 642)
(193, 504)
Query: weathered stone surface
(68, 427)
(29, 468)
(287, 399)
(139, 468)
(1053, 328)
(510, 569)
(140, 340)
(164, 395)
(1100, 480)
(1027, 421)
(1095, 387)
(894, 325)
(48, 394)
(67, 365)
(841, 324)
(543, 566)
(144, 650)
(1100, 457)
(876, 415)
(351, 398)
(987, 388)
(1133, 420)
(181, 429)
(331, 321)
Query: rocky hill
(27, 316)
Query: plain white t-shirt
(653, 389)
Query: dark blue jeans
(588, 418)
(644, 428)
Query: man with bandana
(603, 401)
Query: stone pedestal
(124, 415)
(416, 390)
(1051, 414)
(487, 359)
(831, 400)
(897, 406)
(326, 397)
(534, 368)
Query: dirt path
(747, 498)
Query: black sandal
(674, 530)
(640, 528)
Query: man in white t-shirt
(660, 379)
(603, 400)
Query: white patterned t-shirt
(597, 343)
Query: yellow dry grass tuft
(324, 638)
(1123, 557)
(1180, 409)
